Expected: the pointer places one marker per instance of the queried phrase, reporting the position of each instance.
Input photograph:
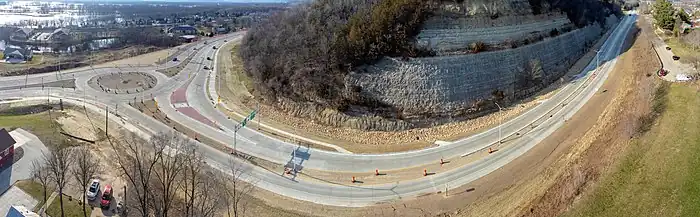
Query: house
(17, 54)
(183, 30)
(7, 147)
(685, 27)
(219, 30)
(21, 34)
(59, 35)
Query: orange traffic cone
(425, 172)
(491, 150)
(376, 172)
(353, 179)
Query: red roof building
(7, 147)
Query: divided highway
(534, 126)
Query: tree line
(667, 17)
(165, 176)
(304, 53)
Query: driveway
(32, 148)
(674, 67)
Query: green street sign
(252, 115)
(249, 118)
(244, 122)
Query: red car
(106, 197)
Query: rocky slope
(464, 56)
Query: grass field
(40, 124)
(660, 173)
(71, 208)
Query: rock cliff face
(452, 83)
(444, 34)
(447, 86)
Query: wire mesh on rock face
(441, 84)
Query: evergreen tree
(663, 14)
(683, 16)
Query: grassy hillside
(659, 176)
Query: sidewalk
(42, 211)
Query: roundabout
(123, 82)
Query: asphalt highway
(533, 126)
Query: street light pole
(500, 120)
(597, 60)
(235, 132)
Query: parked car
(663, 72)
(206, 67)
(676, 57)
(225, 40)
(668, 48)
(93, 189)
(106, 197)
(208, 58)
(175, 59)
(214, 47)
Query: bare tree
(191, 179)
(201, 186)
(58, 162)
(40, 173)
(86, 166)
(237, 191)
(168, 170)
(211, 198)
(137, 163)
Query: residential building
(17, 54)
(7, 148)
(219, 30)
(21, 34)
(55, 36)
(60, 35)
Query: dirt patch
(73, 124)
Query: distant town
(50, 29)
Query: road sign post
(241, 125)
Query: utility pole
(597, 59)
(106, 120)
(235, 132)
(500, 121)
(294, 163)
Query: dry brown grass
(598, 150)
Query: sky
(241, 1)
